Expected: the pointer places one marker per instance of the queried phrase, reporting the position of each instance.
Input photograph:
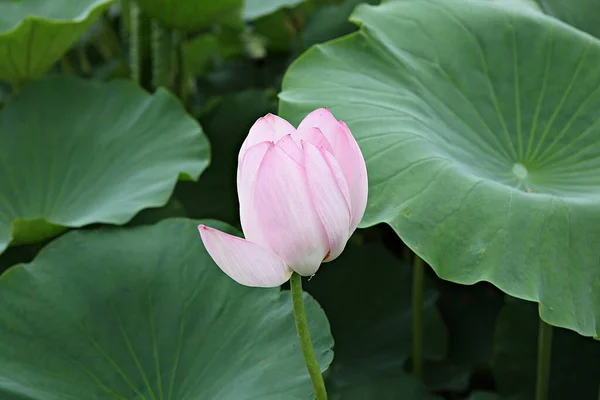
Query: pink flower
(302, 192)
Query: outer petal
(352, 163)
(246, 179)
(287, 217)
(348, 155)
(245, 262)
(269, 128)
(330, 197)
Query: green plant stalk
(161, 55)
(183, 82)
(125, 19)
(66, 67)
(543, 361)
(304, 335)
(108, 42)
(84, 61)
(417, 317)
(134, 42)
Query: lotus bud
(302, 193)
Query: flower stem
(304, 335)
(417, 317)
(161, 55)
(543, 361)
(134, 42)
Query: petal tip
(344, 125)
(204, 230)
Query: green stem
(295, 24)
(125, 20)
(304, 335)
(184, 80)
(417, 317)
(543, 361)
(108, 42)
(134, 42)
(66, 67)
(161, 55)
(84, 61)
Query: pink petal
(286, 213)
(246, 179)
(352, 163)
(323, 119)
(289, 146)
(245, 262)
(330, 196)
(313, 136)
(269, 128)
(348, 155)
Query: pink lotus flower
(302, 193)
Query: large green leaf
(34, 34)
(144, 313)
(192, 15)
(73, 153)
(258, 8)
(479, 126)
(582, 14)
(575, 360)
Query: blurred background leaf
(226, 124)
(254, 9)
(34, 34)
(191, 15)
(575, 359)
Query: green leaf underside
(145, 313)
(486, 163)
(34, 34)
(191, 15)
(98, 153)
